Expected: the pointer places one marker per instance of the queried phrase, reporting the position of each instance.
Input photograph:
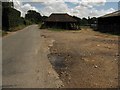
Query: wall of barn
(109, 25)
(62, 25)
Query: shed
(109, 23)
(61, 20)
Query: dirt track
(85, 59)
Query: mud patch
(61, 63)
(57, 60)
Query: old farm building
(63, 21)
(109, 23)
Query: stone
(96, 66)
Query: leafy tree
(93, 20)
(10, 16)
(33, 16)
(84, 21)
(44, 17)
(7, 4)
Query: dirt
(85, 58)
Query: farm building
(109, 23)
(62, 21)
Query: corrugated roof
(116, 13)
(60, 17)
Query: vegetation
(8, 4)
(44, 17)
(3, 33)
(12, 20)
(55, 29)
(33, 16)
(19, 27)
(86, 21)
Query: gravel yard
(85, 58)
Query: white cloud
(27, 7)
(55, 7)
(97, 13)
(84, 8)
(23, 8)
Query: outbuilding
(110, 23)
(61, 20)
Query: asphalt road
(24, 61)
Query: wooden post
(66, 25)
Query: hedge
(11, 18)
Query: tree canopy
(86, 21)
(33, 16)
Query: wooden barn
(110, 23)
(62, 21)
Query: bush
(11, 18)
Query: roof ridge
(61, 17)
(115, 13)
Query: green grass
(17, 28)
(20, 27)
(3, 33)
(84, 27)
(58, 30)
(55, 29)
(0, 31)
(39, 24)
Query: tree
(33, 16)
(93, 20)
(7, 4)
(44, 18)
(10, 16)
(84, 21)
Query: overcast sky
(79, 8)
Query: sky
(79, 8)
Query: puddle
(57, 61)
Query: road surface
(25, 64)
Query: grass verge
(17, 28)
(59, 30)
(4, 33)
(55, 29)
